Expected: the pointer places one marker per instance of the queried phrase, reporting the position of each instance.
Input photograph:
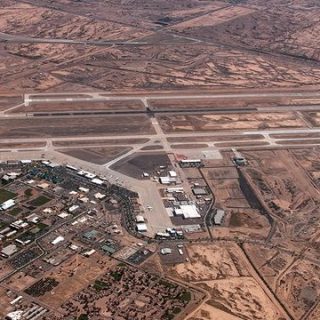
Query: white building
(8, 204)
(172, 174)
(57, 240)
(187, 211)
(141, 227)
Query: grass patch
(6, 195)
(116, 275)
(39, 201)
(28, 193)
(100, 285)
(15, 211)
(185, 297)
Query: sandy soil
(220, 270)
(211, 122)
(242, 297)
(208, 312)
(20, 281)
(207, 263)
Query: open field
(22, 145)
(82, 106)
(99, 155)
(309, 160)
(222, 103)
(233, 292)
(75, 126)
(50, 23)
(288, 196)
(267, 27)
(299, 142)
(241, 143)
(189, 146)
(122, 141)
(216, 138)
(77, 46)
(211, 122)
(296, 135)
(8, 101)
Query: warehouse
(188, 211)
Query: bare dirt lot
(99, 155)
(221, 270)
(210, 122)
(74, 126)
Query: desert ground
(125, 90)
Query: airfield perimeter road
(158, 218)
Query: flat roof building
(172, 174)
(9, 250)
(141, 227)
(199, 191)
(8, 204)
(165, 251)
(140, 219)
(188, 211)
(57, 240)
(167, 180)
(218, 218)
